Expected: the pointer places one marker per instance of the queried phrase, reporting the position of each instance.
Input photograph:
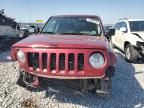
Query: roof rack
(123, 19)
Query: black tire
(131, 54)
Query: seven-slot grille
(69, 62)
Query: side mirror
(111, 32)
(123, 29)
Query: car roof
(129, 19)
(91, 16)
(135, 19)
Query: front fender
(132, 39)
(13, 54)
(112, 57)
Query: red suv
(68, 47)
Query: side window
(118, 25)
(124, 25)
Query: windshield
(73, 26)
(136, 26)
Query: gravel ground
(127, 89)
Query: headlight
(21, 56)
(96, 60)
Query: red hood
(63, 41)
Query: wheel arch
(126, 43)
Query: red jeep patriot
(68, 47)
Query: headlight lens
(21, 56)
(96, 60)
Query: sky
(109, 10)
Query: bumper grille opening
(33, 60)
(49, 61)
(62, 61)
(53, 61)
(80, 62)
(71, 62)
(44, 61)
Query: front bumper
(140, 47)
(73, 72)
(65, 76)
(110, 71)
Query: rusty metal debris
(29, 103)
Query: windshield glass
(73, 26)
(136, 26)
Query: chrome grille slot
(33, 60)
(44, 61)
(80, 62)
(71, 62)
(62, 61)
(53, 61)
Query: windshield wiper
(78, 34)
(48, 32)
(69, 33)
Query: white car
(129, 37)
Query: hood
(63, 41)
(139, 34)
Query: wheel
(131, 54)
(103, 87)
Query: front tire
(131, 53)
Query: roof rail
(123, 19)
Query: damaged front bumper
(140, 47)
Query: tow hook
(30, 80)
(106, 78)
(83, 87)
(86, 85)
(103, 86)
